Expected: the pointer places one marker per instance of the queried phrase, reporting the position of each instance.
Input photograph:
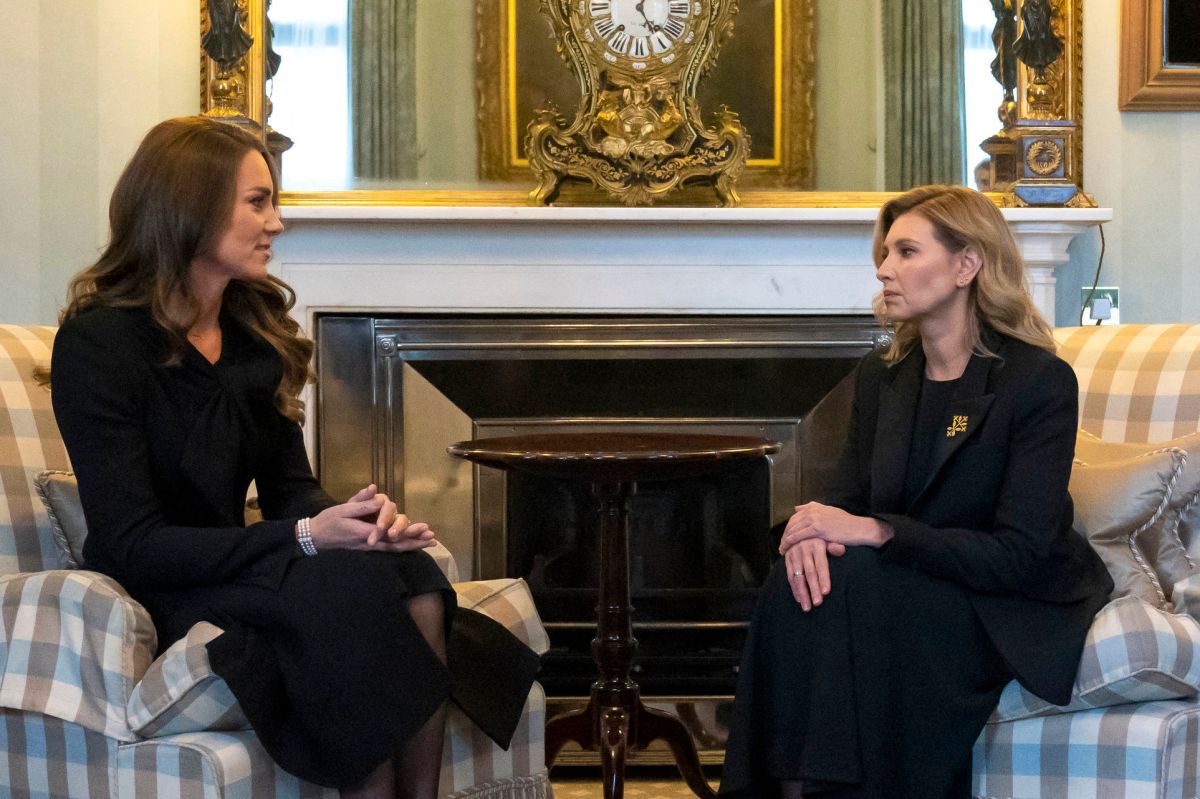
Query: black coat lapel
(893, 431)
(968, 408)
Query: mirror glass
(440, 60)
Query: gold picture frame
(518, 70)
(1148, 82)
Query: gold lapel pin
(958, 424)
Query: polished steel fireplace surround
(394, 391)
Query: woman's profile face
(242, 250)
(920, 276)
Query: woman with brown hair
(175, 381)
(941, 563)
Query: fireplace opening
(394, 392)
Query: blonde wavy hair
(998, 296)
(171, 204)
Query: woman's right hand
(807, 565)
(357, 524)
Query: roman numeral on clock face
(661, 42)
(677, 8)
(640, 47)
(673, 28)
(602, 8)
(619, 42)
(605, 27)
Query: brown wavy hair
(171, 204)
(998, 296)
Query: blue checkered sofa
(1132, 730)
(88, 712)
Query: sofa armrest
(180, 693)
(444, 558)
(509, 602)
(73, 644)
(1134, 652)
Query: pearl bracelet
(304, 536)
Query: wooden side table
(615, 720)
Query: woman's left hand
(833, 525)
(391, 526)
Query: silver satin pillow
(1168, 543)
(1115, 503)
(60, 495)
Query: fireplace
(394, 391)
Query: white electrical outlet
(1103, 307)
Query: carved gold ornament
(1047, 129)
(637, 133)
(1044, 157)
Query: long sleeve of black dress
(161, 455)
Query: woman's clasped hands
(369, 520)
(816, 532)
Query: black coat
(994, 516)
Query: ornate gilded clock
(637, 133)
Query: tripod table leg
(656, 725)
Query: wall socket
(1104, 305)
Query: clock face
(640, 32)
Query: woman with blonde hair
(175, 381)
(940, 563)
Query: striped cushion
(29, 444)
(73, 645)
(1134, 653)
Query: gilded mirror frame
(1041, 142)
(497, 81)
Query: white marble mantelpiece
(603, 260)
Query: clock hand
(640, 7)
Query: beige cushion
(60, 494)
(1164, 543)
(1115, 502)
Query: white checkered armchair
(1132, 729)
(87, 711)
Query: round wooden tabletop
(609, 456)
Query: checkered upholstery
(1134, 653)
(1137, 383)
(86, 710)
(1146, 750)
(29, 444)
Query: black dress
(320, 652)
(881, 691)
